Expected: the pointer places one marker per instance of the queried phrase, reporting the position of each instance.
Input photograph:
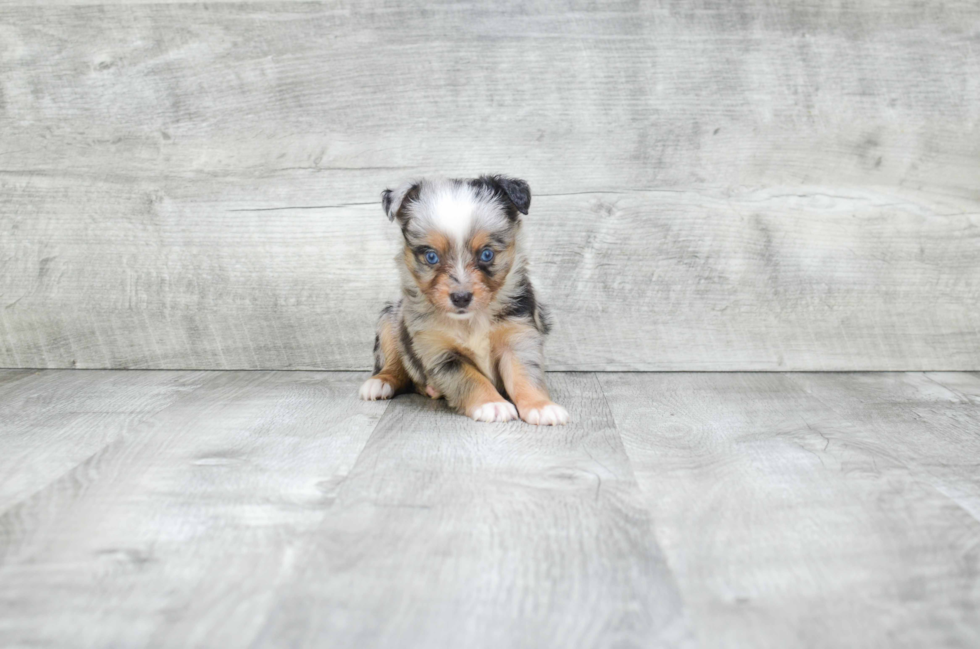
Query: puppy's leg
(468, 390)
(520, 366)
(390, 376)
(528, 391)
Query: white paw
(549, 415)
(494, 411)
(374, 389)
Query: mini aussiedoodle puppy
(467, 326)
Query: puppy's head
(460, 237)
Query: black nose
(461, 300)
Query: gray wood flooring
(270, 509)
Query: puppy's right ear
(394, 201)
(386, 204)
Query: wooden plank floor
(267, 509)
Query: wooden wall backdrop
(790, 185)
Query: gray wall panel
(749, 186)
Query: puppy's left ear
(513, 190)
(518, 191)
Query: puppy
(468, 326)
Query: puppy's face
(460, 238)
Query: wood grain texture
(452, 533)
(818, 510)
(50, 422)
(175, 533)
(741, 186)
(636, 280)
(254, 509)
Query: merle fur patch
(406, 338)
(514, 193)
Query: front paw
(548, 414)
(374, 389)
(494, 411)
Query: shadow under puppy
(468, 326)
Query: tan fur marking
(433, 341)
(479, 240)
(471, 387)
(482, 291)
(438, 242)
(488, 286)
(523, 392)
(438, 290)
(501, 334)
(408, 257)
(393, 373)
(433, 282)
(479, 390)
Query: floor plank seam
(955, 393)
(643, 495)
(367, 441)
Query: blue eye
(486, 255)
(432, 258)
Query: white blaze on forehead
(453, 214)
